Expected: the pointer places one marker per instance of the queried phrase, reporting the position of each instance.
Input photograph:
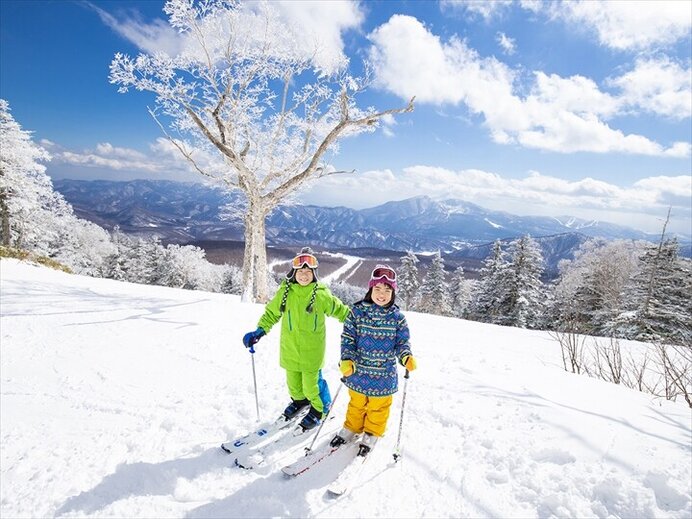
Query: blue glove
(252, 338)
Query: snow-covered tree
(115, 264)
(245, 88)
(461, 290)
(658, 302)
(35, 217)
(490, 289)
(346, 292)
(26, 192)
(523, 290)
(179, 267)
(589, 290)
(84, 246)
(434, 293)
(232, 280)
(407, 281)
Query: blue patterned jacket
(374, 338)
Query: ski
(255, 456)
(311, 459)
(349, 476)
(262, 434)
(258, 454)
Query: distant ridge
(191, 212)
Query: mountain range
(192, 212)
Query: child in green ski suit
(301, 304)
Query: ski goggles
(383, 272)
(302, 260)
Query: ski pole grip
(252, 349)
(406, 374)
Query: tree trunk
(255, 258)
(4, 219)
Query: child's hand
(252, 338)
(410, 363)
(347, 368)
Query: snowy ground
(115, 397)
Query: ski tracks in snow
(351, 261)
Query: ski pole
(314, 439)
(397, 449)
(254, 379)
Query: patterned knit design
(374, 338)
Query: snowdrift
(115, 398)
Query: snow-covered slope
(115, 397)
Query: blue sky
(550, 108)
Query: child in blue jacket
(374, 338)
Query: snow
(493, 224)
(350, 262)
(115, 398)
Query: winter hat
(383, 274)
(305, 258)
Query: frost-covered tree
(346, 292)
(522, 289)
(84, 246)
(658, 301)
(460, 291)
(589, 290)
(180, 267)
(145, 261)
(115, 264)
(434, 293)
(407, 281)
(245, 88)
(26, 192)
(489, 292)
(32, 215)
(232, 280)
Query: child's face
(304, 276)
(382, 294)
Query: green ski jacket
(303, 334)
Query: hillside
(115, 397)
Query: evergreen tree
(146, 262)
(407, 281)
(523, 289)
(489, 291)
(658, 297)
(232, 281)
(26, 192)
(460, 289)
(115, 264)
(435, 296)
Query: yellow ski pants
(367, 413)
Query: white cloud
(628, 24)
(408, 58)
(312, 29)
(559, 114)
(507, 44)
(638, 204)
(533, 194)
(387, 123)
(660, 86)
(618, 24)
(156, 36)
(483, 8)
(162, 161)
(319, 25)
